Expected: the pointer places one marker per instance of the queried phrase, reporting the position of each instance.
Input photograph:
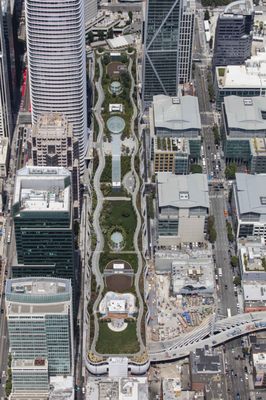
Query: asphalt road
(9, 249)
(237, 379)
(234, 384)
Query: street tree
(234, 261)
(237, 281)
(206, 15)
(230, 171)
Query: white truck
(220, 273)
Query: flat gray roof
(176, 113)
(38, 296)
(182, 191)
(245, 113)
(38, 286)
(251, 193)
(43, 189)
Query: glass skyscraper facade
(233, 35)
(162, 29)
(42, 215)
(39, 315)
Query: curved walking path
(134, 202)
(96, 216)
(100, 198)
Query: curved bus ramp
(211, 333)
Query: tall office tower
(91, 9)
(161, 36)
(39, 319)
(10, 51)
(42, 214)
(57, 62)
(6, 118)
(186, 41)
(233, 36)
(52, 143)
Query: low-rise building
(252, 259)
(164, 259)
(175, 129)
(247, 80)
(130, 388)
(254, 294)
(171, 155)
(244, 127)
(249, 205)
(171, 388)
(259, 362)
(258, 351)
(183, 208)
(205, 363)
(192, 274)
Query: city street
(234, 383)
(8, 254)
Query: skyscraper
(57, 62)
(39, 318)
(91, 9)
(52, 143)
(6, 118)
(186, 41)
(233, 36)
(42, 213)
(160, 67)
(10, 51)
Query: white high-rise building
(39, 318)
(91, 9)
(186, 41)
(57, 62)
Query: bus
(229, 312)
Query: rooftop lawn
(119, 213)
(110, 342)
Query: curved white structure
(57, 62)
(211, 333)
